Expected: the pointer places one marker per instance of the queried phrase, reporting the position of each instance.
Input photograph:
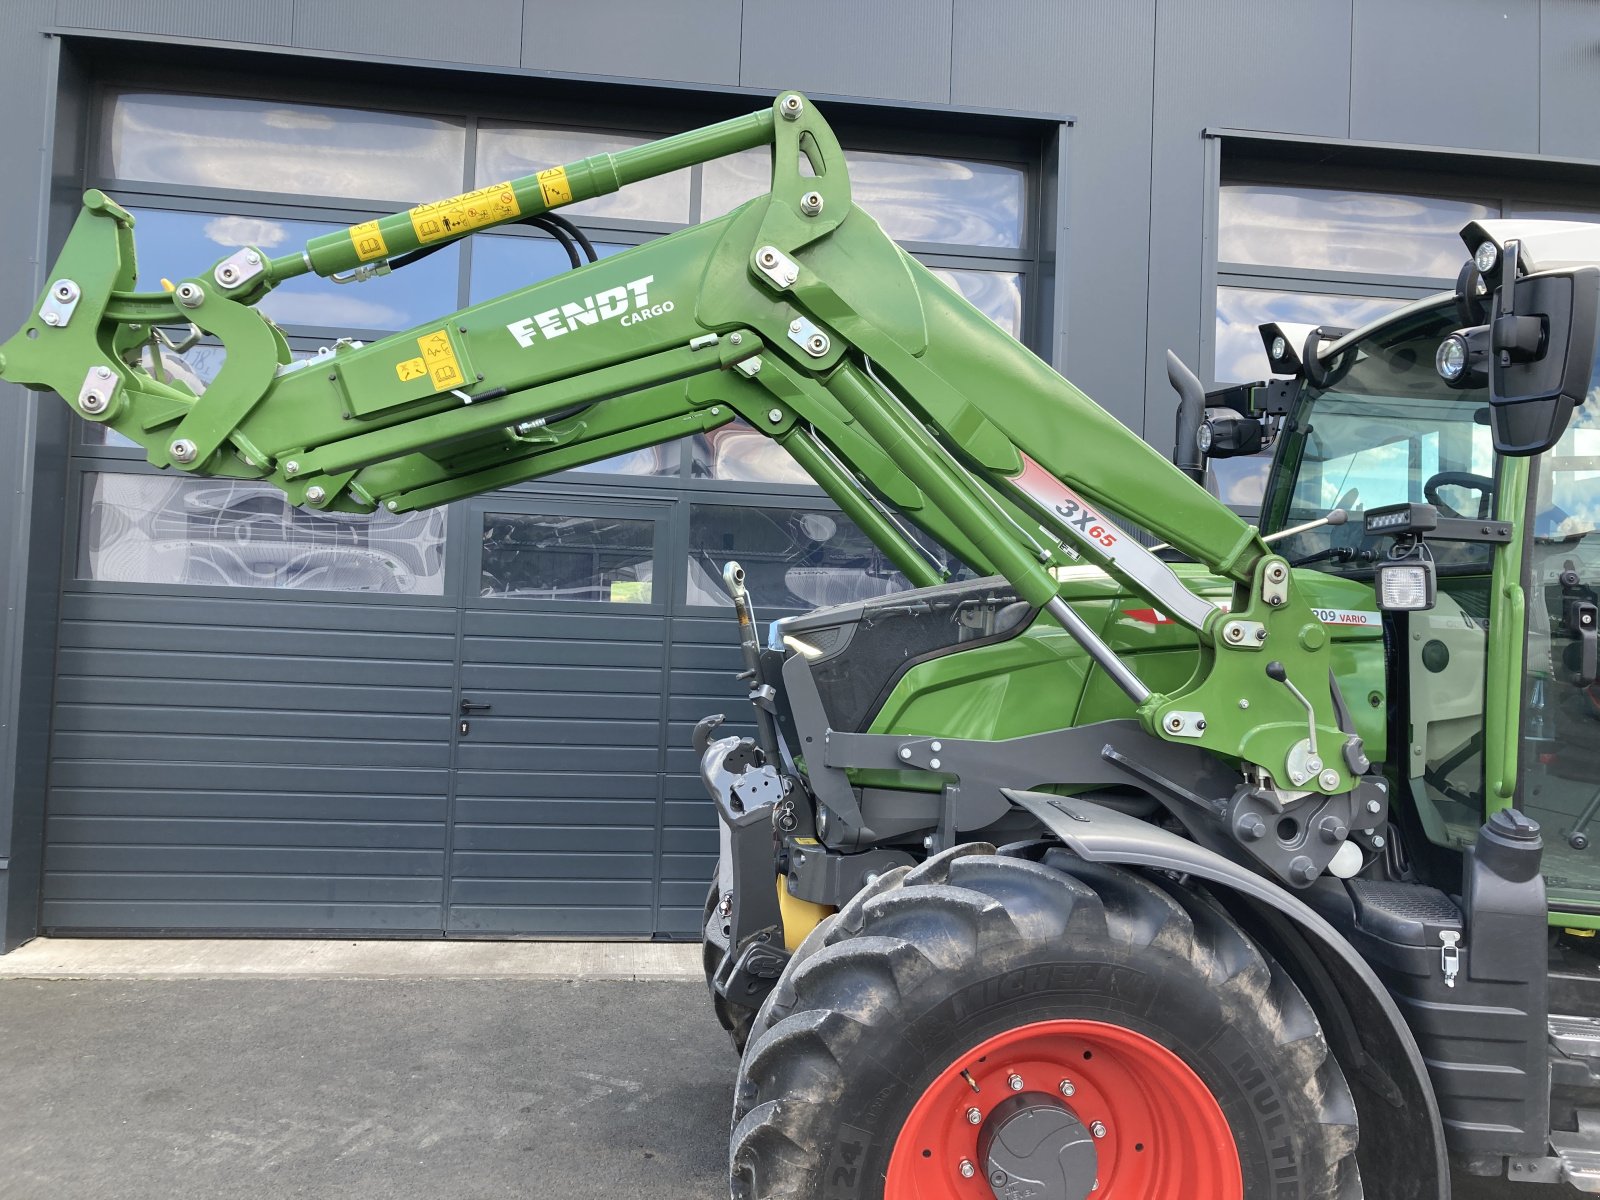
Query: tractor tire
(1054, 1028)
(735, 1018)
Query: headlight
(1204, 437)
(1450, 360)
(1487, 255)
(1405, 585)
(1279, 348)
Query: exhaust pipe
(1186, 454)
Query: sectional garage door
(500, 749)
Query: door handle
(472, 706)
(1582, 618)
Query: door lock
(1582, 618)
(468, 707)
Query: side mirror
(1543, 333)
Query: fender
(1402, 1150)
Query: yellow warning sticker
(464, 213)
(368, 241)
(412, 368)
(438, 362)
(554, 187)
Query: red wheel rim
(1164, 1132)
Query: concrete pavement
(207, 1070)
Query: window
(601, 560)
(231, 533)
(793, 558)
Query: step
(1580, 1152)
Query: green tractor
(1149, 855)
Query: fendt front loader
(1255, 864)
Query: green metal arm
(795, 312)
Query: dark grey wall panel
(1569, 78)
(258, 21)
(695, 41)
(1464, 75)
(1093, 61)
(484, 31)
(246, 762)
(897, 49)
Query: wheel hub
(1034, 1146)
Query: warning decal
(554, 187)
(368, 241)
(437, 361)
(464, 213)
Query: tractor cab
(1403, 431)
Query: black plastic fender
(1402, 1150)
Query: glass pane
(1329, 229)
(226, 533)
(509, 151)
(505, 263)
(996, 294)
(1587, 216)
(268, 146)
(602, 559)
(914, 198)
(175, 245)
(738, 452)
(1562, 729)
(794, 558)
(1240, 356)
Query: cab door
(1559, 762)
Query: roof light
(1450, 360)
(1486, 256)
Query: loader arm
(794, 312)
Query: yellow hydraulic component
(800, 917)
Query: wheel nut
(1098, 1129)
(967, 1169)
(1014, 1082)
(1068, 1088)
(973, 1116)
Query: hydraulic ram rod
(439, 221)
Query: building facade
(220, 714)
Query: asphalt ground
(450, 1089)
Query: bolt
(92, 403)
(933, 764)
(1250, 827)
(1098, 1129)
(927, 842)
(1200, 725)
(1174, 723)
(51, 318)
(315, 495)
(905, 751)
(64, 290)
(1332, 829)
(103, 371)
(795, 326)
(735, 339)
(226, 276)
(1302, 870)
(1329, 780)
(973, 1116)
(816, 344)
(768, 257)
(183, 450)
(1014, 1082)
(1244, 704)
(1235, 633)
(967, 1169)
(791, 107)
(190, 295)
(936, 747)
(1068, 1088)
(725, 905)
(1378, 841)
(292, 467)
(1261, 635)
(1275, 572)
(1374, 807)
(775, 415)
(811, 203)
(253, 258)
(1313, 764)
(392, 505)
(998, 1179)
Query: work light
(1486, 256)
(1450, 360)
(1406, 584)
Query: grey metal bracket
(60, 303)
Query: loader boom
(794, 312)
